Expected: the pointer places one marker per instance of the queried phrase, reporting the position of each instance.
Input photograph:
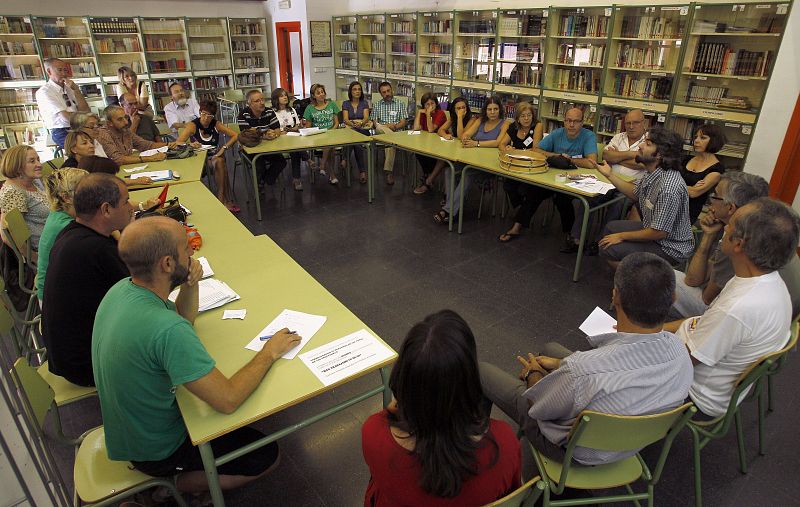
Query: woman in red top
(429, 118)
(435, 444)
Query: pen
(265, 338)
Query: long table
(190, 170)
(329, 139)
(268, 281)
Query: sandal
(233, 207)
(422, 188)
(442, 217)
(508, 237)
(362, 177)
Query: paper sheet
(598, 322)
(204, 147)
(346, 356)
(137, 168)
(304, 324)
(234, 314)
(213, 293)
(591, 185)
(154, 175)
(414, 132)
(446, 140)
(311, 131)
(293, 134)
(207, 271)
(147, 153)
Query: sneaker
(298, 185)
(333, 181)
(389, 178)
(323, 172)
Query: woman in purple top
(355, 113)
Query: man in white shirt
(59, 99)
(621, 151)
(752, 315)
(182, 110)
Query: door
(290, 57)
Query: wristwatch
(532, 371)
(479, 144)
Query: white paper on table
(154, 175)
(204, 147)
(293, 134)
(591, 185)
(234, 314)
(207, 271)
(445, 140)
(304, 324)
(598, 322)
(213, 294)
(147, 153)
(137, 168)
(311, 131)
(414, 132)
(346, 356)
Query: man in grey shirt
(638, 370)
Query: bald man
(621, 151)
(141, 124)
(137, 367)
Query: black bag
(171, 209)
(560, 162)
(184, 151)
(300, 106)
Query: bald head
(146, 241)
(573, 121)
(634, 124)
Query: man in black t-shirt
(84, 264)
(256, 115)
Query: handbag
(250, 138)
(560, 162)
(178, 152)
(171, 209)
(522, 161)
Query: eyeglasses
(632, 123)
(66, 99)
(716, 197)
(573, 122)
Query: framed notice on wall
(320, 39)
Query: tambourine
(523, 162)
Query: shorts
(186, 458)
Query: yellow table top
(426, 143)
(268, 281)
(283, 143)
(190, 169)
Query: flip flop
(441, 217)
(362, 178)
(509, 237)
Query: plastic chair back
(38, 393)
(18, 229)
(234, 127)
(526, 495)
(54, 164)
(233, 95)
(600, 147)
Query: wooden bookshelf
(371, 46)
(248, 38)
(474, 48)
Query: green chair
(780, 361)
(524, 496)
(704, 432)
(619, 433)
(52, 165)
(99, 481)
(600, 147)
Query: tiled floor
(392, 265)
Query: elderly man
(621, 151)
(753, 312)
(59, 99)
(84, 264)
(663, 199)
(390, 115)
(262, 118)
(119, 141)
(140, 123)
(181, 110)
(138, 367)
(639, 369)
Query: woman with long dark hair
(435, 445)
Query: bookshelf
(21, 74)
(401, 45)
(520, 55)
(210, 54)
(345, 54)
(165, 47)
(117, 43)
(371, 47)
(248, 38)
(474, 49)
(435, 37)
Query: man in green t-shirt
(144, 346)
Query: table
(331, 138)
(486, 160)
(190, 169)
(431, 145)
(256, 267)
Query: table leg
(387, 393)
(582, 241)
(370, 173)
(450, 195)
(207, 454)
(255, 186)
(461, 199)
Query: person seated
(355, 115)
(23, 190)
(703, 171)
(182, 109)
(95, 164)
(665, 229)
(138, 367)
(205, 131)
(710, 269)
(88, 123)
(323, 113)
(429, 118)
(435, 444)
(639, 369)
(258, 116)
(119, 141)
(140, 124)
(289, 122)
(60, 187)
(752, 315)
(483, 133)
(78, 144)
(579, 145)
(524, 134)
(129, 83)
(83, 265)
(390, 115)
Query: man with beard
(138, 367)
(119, 141)
(663, 202)
(84, 264)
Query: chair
(524, 496)
(98, 480)
(780, 361)
(612, 433)
(52, 165)
(704, 432)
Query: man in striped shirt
(390, 115)
(639, 369)
(262, 118)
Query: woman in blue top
(323, 113)
(484, 133)
(355, 114)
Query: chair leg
(698, 486)
(769, 393)
(740, 441)
(480, 203)
(761, 412)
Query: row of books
(531, 25)
(112, 25)
(206, 30)
(650, 57)
(403, 66)
(347, 45)
(208, 47)
(162, 25)
(346, 29)
(161, 43)
(376, 64)
(579, 80)
(472, 70)
(559, 107)
(402, 27)
(482, 49)
(9, 71)
(52, 29)
(436, 68)
(632, 85)
(519, 74)
(118, 45)
(247, 29)
(211, 64)
(17, 96)
(476, 26)
(580, 25)
(613, 122)
(720, 58)
(110, 68)
(15, 24)
(438, 48)
(404, 47)
(246, 45)
(475, 100)
(17, 48)
(162, 86)
(375, 27)
(404, 89)
(243, 80)
(525, 52)
(211, 82)
(18, 114)
(581, 54)
(374, 45)
(651, 27)
(248, 62)
(67, 49)
(168, 65)
(83, 69)
(347, 62)
(715, 96)
(439, 26)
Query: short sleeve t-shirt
(138, 367)
(322, 118)
(358, 112)
(56, 221)
(438, 120)
(31, 203)
(581, 146)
